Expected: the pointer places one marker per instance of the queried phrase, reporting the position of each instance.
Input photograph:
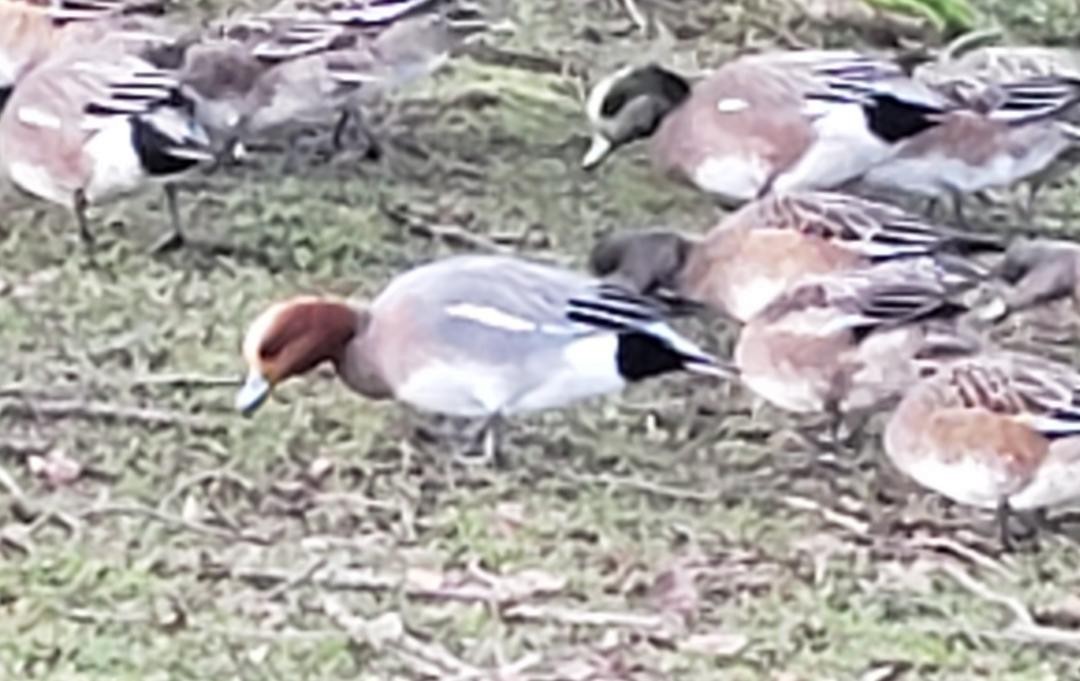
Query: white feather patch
(491, 316)
(37, 118)
(732, 105)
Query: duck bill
(254, 392)
(598, 151)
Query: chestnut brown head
(291, 338)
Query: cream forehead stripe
(600, 91)
(253, 339)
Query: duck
(31, 30)
(1037, 271)
(844, 344)
(1005, 64)
(476, 336)
(765, 248)
(995, 136)
(95, 123)
(782, 121)
(285, 72)
(995, 430)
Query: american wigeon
(996, 430)
(472, 336)
(756, 253)
(997, 135)
(772, 122)
(844, 343)
(95, 123)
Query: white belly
(734, 178)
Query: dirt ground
(674, 532)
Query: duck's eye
(613, 103)
(268, 352)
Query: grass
(667, 533)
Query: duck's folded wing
(83, 10)
(611, 308)
(1035, 98)
(1047, 394)
(294, 37)
(375, 13)
(129, 86)
(875, 230)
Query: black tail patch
(641, 355)
(893, 119)
(5, 95)
(152, 147)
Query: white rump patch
(732, 105)
(490, 316)
(36, 117)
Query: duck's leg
(80, 205)
(958, 210)
(1029, 525)
(493, 436)
(175, 238)
(1001, 516)
(487, 438)
(349, 114)
(338, 136)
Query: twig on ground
(945, 544)
(11, 486)
(848, 522)
(205, 476)
(388, 632)
(301, 578)
(636, 15)
(457, 236)
(176, 521)
(186, 381)
(586, 618)
(639, 485)
(1024, 627)
(22, 449)
(496, 589)
(100, 411)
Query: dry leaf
(318, 469)
(674, 591)
(55, 467)
(715, 644)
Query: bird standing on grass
(481, 337)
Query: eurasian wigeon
(771, 122)
(473, 336)
(95, 123)
(998, 430)
(762, 250)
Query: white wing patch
(491, 316)
(38, 118)
(732, 105)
